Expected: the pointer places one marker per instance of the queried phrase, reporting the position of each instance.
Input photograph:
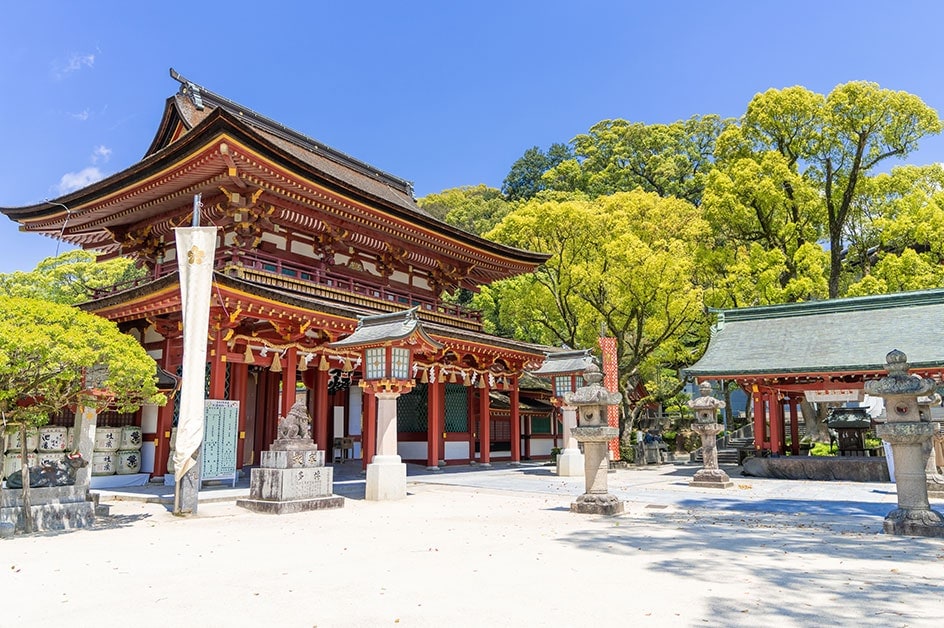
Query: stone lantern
(387, 343)
(909, 437)
(563, 368)
(706, 425)
(591, 402)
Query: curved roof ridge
(201, 96)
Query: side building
(309, 240)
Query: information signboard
(220, 438)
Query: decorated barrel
(107, 438)
(130, 437)
(12, 464)
(52, 438)
(104, 462)
(13, 441)
(129, 461)
(49, 458)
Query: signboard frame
(218, 453)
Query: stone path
(474, 547)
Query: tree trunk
(815, 419)
(24, 471)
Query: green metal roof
(835, 336)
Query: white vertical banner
(196, 248)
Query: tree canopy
(69, 278)
(47, 350)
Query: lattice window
(411, 410)
(541, 425)
(457, 408)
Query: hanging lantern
(481, 382)
(452, 377)
(466, 381)
(276, 363)
(303, 363)
(424, 379)
(323, 364)
(248, 357)
(347, 364)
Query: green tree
(618, 156)
(833, 142)
(46, 352)
(525, 179)
(69, 278)
(623, 265)
(476, 209)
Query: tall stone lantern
(591, 401)
(909, 437)
(563, 368)
(706, 425)
(387, 343)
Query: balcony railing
(273, 271)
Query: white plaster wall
(412, 450)
(541, 447)
(278, 241)
(457, 450)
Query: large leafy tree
(623, 265)
(526, 177)
(69, 278)
(896, 241)
(47, 352)
(618, 156)
(476, 209)
(833, 143)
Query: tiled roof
(835, 336)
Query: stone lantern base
(597, 504)
(711, 478)
(913, 522)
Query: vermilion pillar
(794, 428)
(240, 375)
(513, 398)
(760, 420)
(776, 423)
(369, 429)
(485, 431)
(289, 364)
(321, 419)
(435, 419)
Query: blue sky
(441, 93)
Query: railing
(274, 271)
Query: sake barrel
(50, 458)
(129, 461)
(130, 437)
(52, 438)
(13, 441)
(103, 462)
(12, 464)
(107, 438)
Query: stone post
(707, 427)
(570, 462)
(591, 402)
(86, 419)
(908, 436)
(386, 474)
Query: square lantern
(387, 343)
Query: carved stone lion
(297, 425)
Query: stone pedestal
(386, 473)
(596, 500)
(570, 462)
(909, 437)
(386, 479)
(292, 478)
(710, 475)
(914, 516)
(53, 508)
